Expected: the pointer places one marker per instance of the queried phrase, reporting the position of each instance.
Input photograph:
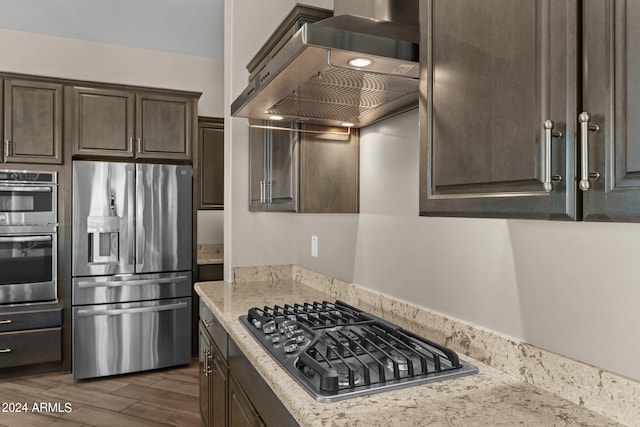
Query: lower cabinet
(213, 381)
(232, 393)
(241, 411)
(30, 338)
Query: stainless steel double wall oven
(132, 258)
(28, 237)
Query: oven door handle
(121, 283)
(20, 239)
(120, 311)
(26, 189)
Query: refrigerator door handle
(120, 311)
(131, 181)
(121, 283)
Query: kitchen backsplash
(601, 391)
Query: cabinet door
(611, 96)
(218, 390)
(204, 369)
(494, 72)
(164, 126)
(329, 172)
(241, 411)
(282, 180)
(211, 161)
(257, 169)
(32, 122)
(104, 121)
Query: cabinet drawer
(17, 321)
(214, 328)
(30, 347)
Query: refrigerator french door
(132, 255)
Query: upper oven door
(27, 204)
(28, 267)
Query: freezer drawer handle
(25, 239)
(25, 189)
(116, 312)
(5, 350)
(121, 283)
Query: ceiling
(190, 27)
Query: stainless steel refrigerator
(132, 254)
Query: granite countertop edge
(490, 397)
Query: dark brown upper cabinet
(104, 122)
(33, 122)
(504, 86)
(119, 122)
(303, 168)
(211, 162)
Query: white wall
(250, 238)
(572, 288)
(39, 54)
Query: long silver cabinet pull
(139, 145)
(6, 322)
(584, 118)
(205, 368)
(25, 239)
(7, 145)
(121, 283)
(262, 192)
(546, 175)
(130, 144)
(5, 350)
(119, 311)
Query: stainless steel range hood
(310, 79)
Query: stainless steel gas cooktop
(336, 351)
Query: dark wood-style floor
(167, 397)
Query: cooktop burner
(336, 351)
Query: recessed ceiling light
(360, 62)
(274, 117)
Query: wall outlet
(314, 246)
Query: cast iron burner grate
(336, 351)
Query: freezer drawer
(129, 288)
(114, 339)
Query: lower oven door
(114, 339)
(28, 267)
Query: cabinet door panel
(105, 120)
(33, 121)
(329, 171)
(203, 380)
(211, 164)
(241, 412)
(611, 88)
(257, 168)
(283, 170)
(495, 71)
(164, 127)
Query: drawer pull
(5, 350)
(6, 322)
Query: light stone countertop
(490, 398)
